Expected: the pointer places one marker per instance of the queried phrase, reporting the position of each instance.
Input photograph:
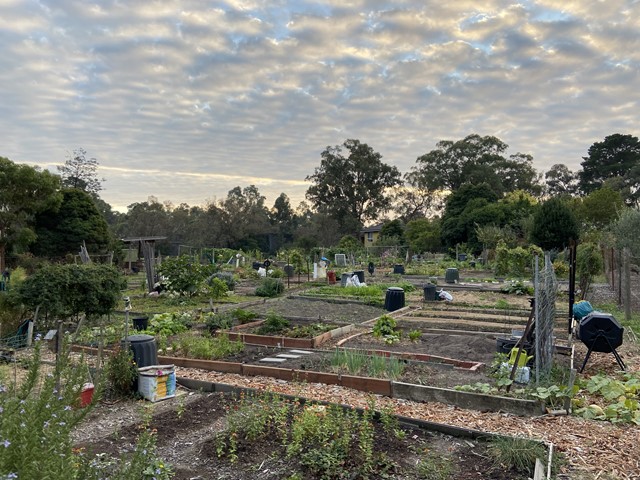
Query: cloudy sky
(184, 100)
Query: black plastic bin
(144, 350)
(140, 323)
(430, 294)
(398, 269)
(394, 299)
(451, 275)
(360, 274)
(345, 276)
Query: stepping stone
(287, 355)
(301, 351)
(273, 360)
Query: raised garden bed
(244, 334)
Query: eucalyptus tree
(352, 184)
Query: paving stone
(301, 351)
(273, 360)
(287, 355)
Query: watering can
(522, 361)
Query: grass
(360, 363)
(517, 453)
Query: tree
(589, 263)
(81, 172)
(63, 230)
(476, 159)
(600, 208)
(283, 218)
(554, 225)
(561, 181)
(353, 188)
(65, 291)
(246, 219)
(24, 191)
(392, 233)
(626, 231)
(460, 216)
(617, 159)
(423, 235)
(415, 200)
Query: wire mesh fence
(623, 275)
(546, 289)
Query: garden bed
(291, 336)
(192, 434)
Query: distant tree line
(469, 193)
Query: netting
(546, 288)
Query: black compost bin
(289, 270)
(394, 300)
(462, 257)
(430, 294)
(398, 269)
(256, 265)
(143, 348)
(140, 323)
(360, 274)
(451, 275)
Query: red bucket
(331, 277)
(86, 394)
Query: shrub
(274, 323)
(270, 287)
(219, 321)
(217, 288)
(121, 371)
(36, 423)
(385, 325)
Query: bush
(270, 287)
(219, 321)
(121, 371)
(226, 277)
(274, 323)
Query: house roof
(372, 228)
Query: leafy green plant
(244, 316)
(386, 328)
(121, 372)
(274, 323)
(218, 321)
(415, 335)
(183, 274)
(620, 399)
(216, 288)
(270, 287)
(208, 348)
(169, 323)
(517, 287)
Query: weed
(434, 467)
(517, 453)
(415, 335)
(270, 287)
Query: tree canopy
(351, 184)
(81, 172)
(615, 160)
(554, 225)
(476, 159)
(63, 230)
(24, 192)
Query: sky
(185, 100)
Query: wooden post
(612, 264)
(627, 283)
(619, 277)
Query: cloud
(191, 98)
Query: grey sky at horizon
(184, 100)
